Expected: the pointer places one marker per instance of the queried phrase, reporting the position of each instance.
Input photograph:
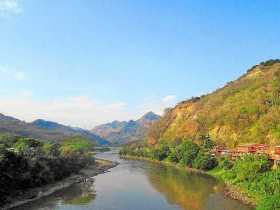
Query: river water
(140, 185)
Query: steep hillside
(127, 131)
(43, 130)
(245, 110)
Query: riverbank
(84, 175)
(193, 170)
(233, 191)
(230, 190)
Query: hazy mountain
(68, 130)
(126, 131)
(42, 129)
(244, 110)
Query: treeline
(26, 163)
(185, 153)
(253, 174)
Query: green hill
(244, 110)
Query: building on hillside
(277, 150)
(262, 148)
(220, 150)
(246, 148)
(252, 148)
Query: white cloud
(19, 75)
(76, 111)
(157, 105)
(169, 99)
(80, 111)
(26, 93)
(8, 73)
(10, 7)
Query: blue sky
(92, 61)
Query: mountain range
(43, 129)
(245, 110)
(122, 132)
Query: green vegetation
(252, 174)
(185, 154)
(243, 111)
(26, 163)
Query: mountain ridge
(45, 130)
(122, 132)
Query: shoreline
(230, 191)
(84, 175)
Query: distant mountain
(126, 131)
(42, 129)
(68, 130)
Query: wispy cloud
(26, 93)
(82, 111)
(76, 111)
(11, 74)
(157, 104)
(19, 75)
(10, 7)
(169, 99)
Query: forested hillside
(244, 110)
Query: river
(140, 185)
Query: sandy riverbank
(101, 166)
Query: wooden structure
(252, 148)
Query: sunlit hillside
(245, 110)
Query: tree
(188, 152)
(207, 142)
(76, 145)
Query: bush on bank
(186, 153)
(26, 163)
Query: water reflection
(190, 191)
(76, 195)
(137, 185)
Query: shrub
(173, 155)
(248, 166)
(207, 143)
(205, 161)
(160, 152)
(226, 163)
(270, 203)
